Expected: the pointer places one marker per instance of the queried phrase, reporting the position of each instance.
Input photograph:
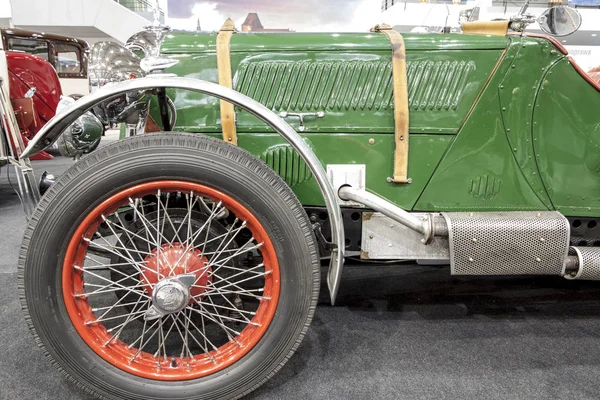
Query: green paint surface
(496, 123)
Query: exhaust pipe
(583, 263)
(428, 225)
(492, 243)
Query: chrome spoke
(240, 293)
(122, 326)
(203, 250)
(130, 233)
(147, 224)
(166, 278)
(168, 217)
(238, 269)
(207, 316)
(204, 348)
(118, 284)
(240, 251)
(222, 246)
(138, 265)
(113, 318)
(232, 308)
(236, 283)
(221, 317)
(189, 242)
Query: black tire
(185, 157)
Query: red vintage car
(30, 92)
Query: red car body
(26, 72)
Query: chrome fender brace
(54, 128)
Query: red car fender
(25, 72)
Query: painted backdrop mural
(301, 16)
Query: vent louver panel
(286, 162)
(351, 85)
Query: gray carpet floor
(397, 333)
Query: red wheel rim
(132, 357)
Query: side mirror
(560, 21)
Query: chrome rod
(387, 208)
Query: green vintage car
(187, 263)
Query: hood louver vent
(287, 163)
(356, 85)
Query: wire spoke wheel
(169, 266)
(180, 298)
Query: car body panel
(26, 72)
(476, 153)
(349, 83)
(566, 137)
(350, 148)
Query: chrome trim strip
(52, 130)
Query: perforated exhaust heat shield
(507, 243)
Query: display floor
(397, 333)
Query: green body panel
(490, 165)
(476, 142)
(347, 76)
(566, 137)
(353, 148)
(194, 43)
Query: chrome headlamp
(111, 62)
(82, 136)
(149, 42)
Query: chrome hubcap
(170, 295)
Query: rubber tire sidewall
(179, 157)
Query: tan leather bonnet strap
(225, 79)
(399, 77)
